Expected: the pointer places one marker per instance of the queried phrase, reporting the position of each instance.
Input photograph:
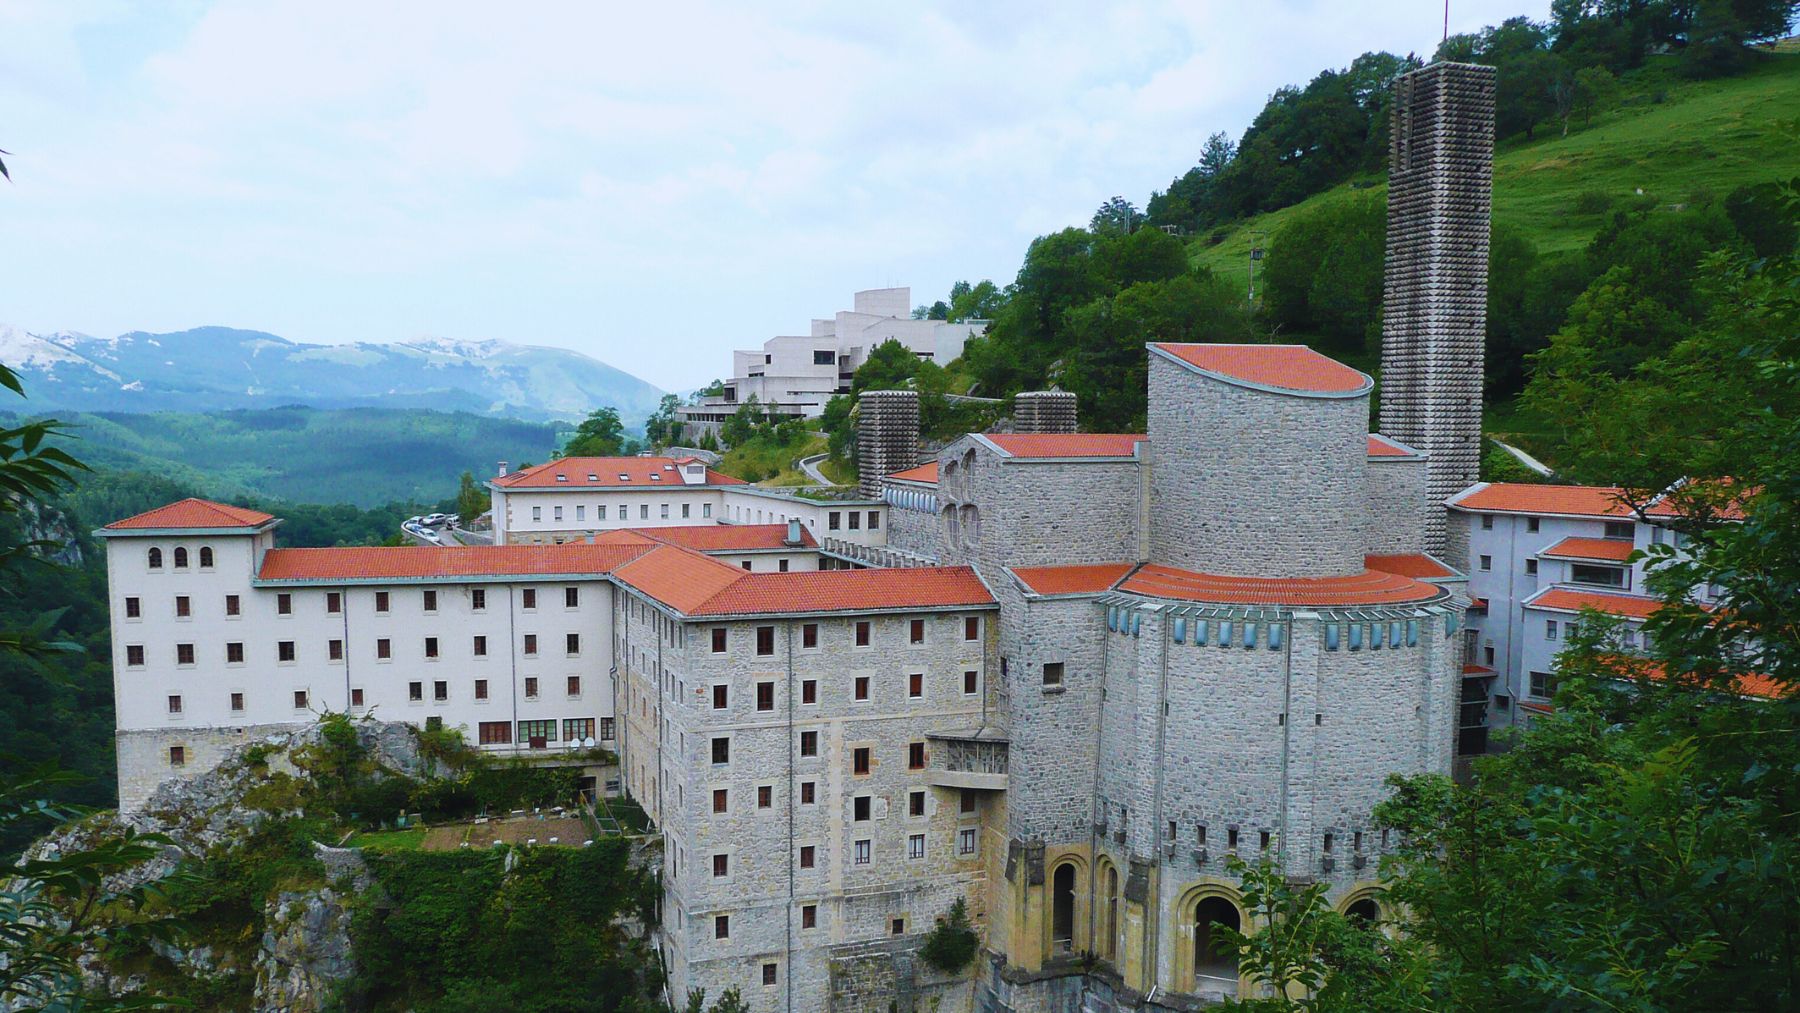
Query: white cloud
(653, 186)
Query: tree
(1117, 217)
(952, 942)
(1595, 89)
(741, 427)
(471, 499)
(661, 428)
(601, 434)
(980, 301)
(1322, 274)
(1215, 155)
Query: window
(534, 732)
(832, 520)
(494, 733)
(206, 557)
(1550, 629)
(765, 641)
(431, 650)
(809, 635)
(479, 646)
(809, 916)
(721, 866)
(174, 704)
(1487, 522)
(132, 608)
(965, 801)
(965, 841)
(440, 691)
(721, 926)
(578, 729)
(915, 802)
(915, 756)
(572, 644)
(381, 601)
(706, 509)
(1531, 525)
(721, 800)
(299, 699)
(478, 599)
(571, 597)
(530, 645)
(356, 697)
(234, 653)
(765, 796)
(184, 654)
(809, 743)
(574, 687)
(183, 608)
(874, 521)
(915, 631)
(415, 691)
(643, 511)
(781, 565)
(334, 603)
(861, 690)
(770, 974)
(915, 685)
(1625, 530)
(662, 511)
(861, 808)
(1605, 576)
(232, 606)
(537, 513)
(580, 513)
(721, 696)
(134, 655)
(177, 755)
(809, 691)
(284, 650)
(824, 357)
(237, 701)
(556, 511)
(971, 683)
(915, 846)
(481, 689)
(862, 633)
(860, 759)
(1487, 562)
(430, 600)
(181, 558)
(1531, 567)
(898, 926)
(1543, 685)
(1053, 673)
(862, 851)
(606, 729)
(384, 648)
(808, 856)
(718, 640)
(809, 792)
(765, 696)
(531, 687)
(154, 561)
(721, 751)
(284, 604)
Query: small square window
(481, 689)
(531, 687)
(862, 633)
(721, 697)
(770, 974)
(861, 759)
(765, 796)
(174, 704)
(415, 691)
(971, 683)
(234, 653)
(183, 606)
(915, 846)
(898, 926)
(809, 743)
(284, 604)
(381, 601)
(334, 602)
(721, 926)
(1531, 567)
(1531, 525)
(1053, 673)
(860, 687)
(915, 802)
(972, 628)
(177, 755)
(863, 850)
(809, 792)
(860, 808)
(809, 635)
(284, 650)
(233, 605)
(721, 750)
(765, 696)
(765, 640)
(132, 609)
(915, 631)
(300, 699)
(965, 801)
(134, 655)
(965, 841)
(809, 691)
(809, 916)
(721, 800)
(237, 701)
(184, 654)
(528, 598)
(915, 756)
(440, 690)
(721, 865)
(1487, 562)
(915, 685)
(808, 856)
(356, 697)
(571, 597)
(718, 640)
(1487, 522)
(574, 685)
(384, 648)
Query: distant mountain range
(220, 368)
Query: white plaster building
(794, 375)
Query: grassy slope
(1705, 136)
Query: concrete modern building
(793, 376)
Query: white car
(434, 519)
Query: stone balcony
(973, 759)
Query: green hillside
(1669, 137)
(363, 456)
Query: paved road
(450, 536)
(810, 465)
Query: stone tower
(1440, 188)
(1044, 411)
(887, 435)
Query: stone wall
(1397, 506)
(1015, 512)
(887, 435)
(143, 755)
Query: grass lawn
(409, 839)
(1704, 137)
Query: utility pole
(1256, 254)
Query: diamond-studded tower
(1440, 190)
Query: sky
(650, 184)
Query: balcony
(973, 759)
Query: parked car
(433, 520)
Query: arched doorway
(1215, 962)
(1109, 947)
(1363, 909)
(1062, 909)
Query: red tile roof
(1066, 444)
(1416, 565)
(1381, 446)
(1294, 368)
(198, 514)
(701, 586)
(383, 562)
(924, 473)
(1089, 578)
(1477, 670)
(574, 472)
(1605, 550)
(1725, 498)
(1748, 684)
(1371, 587)
(1528, 498)
(1566, 599)
(711, 537)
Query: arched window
(970, 521)
(1110, 947)
(206, 561)
(181, 558)
(1215, 965)
(155, 558)
(1062, 908)
(1365, 910)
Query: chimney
(502, 470)
(793, 532)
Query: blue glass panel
(1356, 636)
(1180, 628)
(1275, 632)
(1224, 633)
(1201, 628)
(1331, 636)
(1412, 633)
(1250, 635)
(1394, 633)
(1375, 637)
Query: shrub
(952, 942)
(1593, 202)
